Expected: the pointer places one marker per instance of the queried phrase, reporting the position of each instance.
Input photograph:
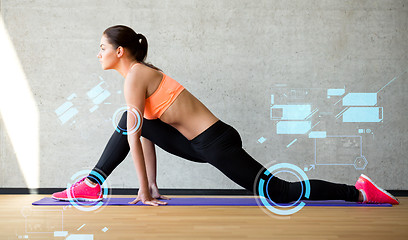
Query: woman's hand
(154, 191)
(146, 198)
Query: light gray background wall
(232, 55)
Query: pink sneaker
(373, 193)
(80, 191)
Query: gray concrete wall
(233, 55)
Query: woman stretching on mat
(180, 124)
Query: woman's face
(107, 55)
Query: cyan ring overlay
(261, 186)
(80, 205)
(138, 120)
(275, 204)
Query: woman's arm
(149, 153)
(135, 90)
(150, 159)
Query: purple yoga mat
(47, 201)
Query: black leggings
(221, 146)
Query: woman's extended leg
(221, 146)
(161, 134)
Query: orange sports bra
(162, 98)
(167, 92)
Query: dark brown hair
(136, 43)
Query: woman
(179, 123)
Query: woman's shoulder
(141, 72)
(143, 77)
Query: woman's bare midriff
(188, 115)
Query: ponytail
(141, 49)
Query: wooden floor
(20, 220)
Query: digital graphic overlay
(89, 206)
(264, 195)
(136, 116)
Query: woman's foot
(83, 190)
(372, 193)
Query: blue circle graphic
(80, 205)
(265, 200)
(267, 193)
(137, 115)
